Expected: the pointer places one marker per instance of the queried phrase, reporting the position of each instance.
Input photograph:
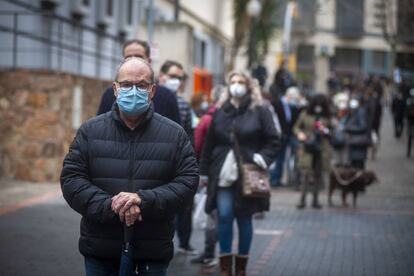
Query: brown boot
(226, 265)
(241, 264)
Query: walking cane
(127, 256)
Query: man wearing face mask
(164, 100)
(287, 111)
(129, 166)
(172, 76)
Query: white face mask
(353, 104)
(172, 84)
(342, 105)
(317, 109)
(237, 90)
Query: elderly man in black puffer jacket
(129, 166)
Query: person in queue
(129, 167)
(240, 116)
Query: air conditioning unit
(78, 9)
(104, 18)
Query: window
(378, 59)
(305, 54)
(348, 59)
(350, 18)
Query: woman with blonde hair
(239, 116)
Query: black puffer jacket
(156, 160)
(256, 133)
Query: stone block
(52, 149)
(38, 99)
(47, 116)
(31, 150)
(23, 172)
(4, 103)
(46, 82)
(45, 169)
(20, 97)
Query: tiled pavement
(376, 238)
(39, 236)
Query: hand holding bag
(254, 179)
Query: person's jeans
(183, 226)
(210, 235)
(277, 172)
(103, 267)
(225, 208)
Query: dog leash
(347, 182)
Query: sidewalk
(376, 238)
(39, 231)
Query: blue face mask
(134, 101)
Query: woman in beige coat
(312, 130)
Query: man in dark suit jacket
(287, 110)
(165, 102)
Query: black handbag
(312, 145)
(338, 139)
(359, 140)
(254, 180)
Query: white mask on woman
(238, 90)
(353, 104)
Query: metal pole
(287, 27)
(251, 43)
(15, 21)
(80, 52)
(150, 22)
(60, 30)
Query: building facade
(84, 37)
(344, 37)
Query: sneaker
(188, 251)
(205, 261)
(259, 215)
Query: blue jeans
(277, 173)
(103, 267)
(225, 208)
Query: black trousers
(183, 226)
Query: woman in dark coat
(358, 133)
(239, 111)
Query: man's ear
(152, 92)
(114, 88)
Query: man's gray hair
(152, 75)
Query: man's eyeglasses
(142, 85)
(172, 76)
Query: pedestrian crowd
(133, 170)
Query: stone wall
(36, 120)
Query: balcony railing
(49, 41)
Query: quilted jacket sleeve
(167, 200)
(85, 198)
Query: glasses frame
(148, 86)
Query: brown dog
(349, 180)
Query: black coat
(356, 124)
(256, 133)
(156, 160)
(287, 127)
(165, 103)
